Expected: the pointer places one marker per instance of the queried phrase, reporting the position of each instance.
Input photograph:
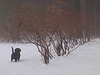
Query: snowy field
(83, 61)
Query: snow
(85, 60)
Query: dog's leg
(11, 60)
(15, 60)
(18, 56)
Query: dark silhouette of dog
(15, 54)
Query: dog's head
(17, 50)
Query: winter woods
(60, 26)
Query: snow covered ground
(83, 61)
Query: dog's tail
(12, 49)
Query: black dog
(15, 54)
